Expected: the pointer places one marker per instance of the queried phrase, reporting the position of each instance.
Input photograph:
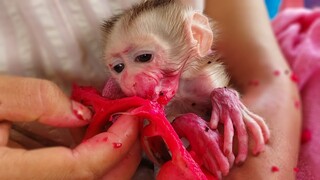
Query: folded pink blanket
(298, 33)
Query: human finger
(118, 141)
(29, 99)
(90, 160)
(126, 168)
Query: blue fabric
(273, 7)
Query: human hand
(275, 101)
(25, 100)
(251, 54)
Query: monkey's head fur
(148, 46)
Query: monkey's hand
(205, 144)
(230, 111)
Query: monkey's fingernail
(240, 163)
(258, 150)
(256, 153)
(240, 159)
(80, 111)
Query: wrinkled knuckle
(48, 93)
(48, 88)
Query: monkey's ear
(201, 33)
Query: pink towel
(298, 33)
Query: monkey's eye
(119, 67)
(144, 58)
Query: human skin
(27, 99)
(252, 53)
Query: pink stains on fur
(145, 86)
(305, 136)
(163, 98)
(275, 169)
(117, 145)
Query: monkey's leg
(205, 143)
(230, 111)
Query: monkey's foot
(230, 111)
(204, 143)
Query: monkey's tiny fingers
(211, 164)
(256, 131)
(261, 122)
(215, 156)
(231, 159)
(228, 133)
(215, 115)
(242, 135)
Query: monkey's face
(142, 68)
(147, 48)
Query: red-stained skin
(180, 166)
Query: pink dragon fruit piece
(157, 137)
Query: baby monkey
(162, 50)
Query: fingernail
(80, 111)
(240, 160)
(258, 150)
(240, 163)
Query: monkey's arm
(255, 54)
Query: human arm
(252, 53)
(26, 99)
